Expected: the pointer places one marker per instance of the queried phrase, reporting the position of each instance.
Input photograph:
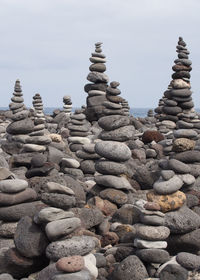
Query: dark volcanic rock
(131, 268)
(16, 212)
(20, 127)
(29, 239)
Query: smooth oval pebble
(59, 228)
(113, 150)
(13, 185)
(70, 264)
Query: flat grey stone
(152, 233)
(185, 133)
(167, 187)
(113, 151)
(153, 255)
(13, 185)
(113, 182)
(182, 221)
(113, 122)
(62, 201)
(178, 167)
(60, 228)
(107, 167)
(121, 134)
(77, 245)
(50, 214)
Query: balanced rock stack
(69, 254)
(113, 105)
(88, 158)
(20, 127)
(126, 107)
(38, 106)
(168, 201)
(16, 201)
(67, 107)
(97, 88)
(113, 183)
(178, 106)
(78, 130)
(150, 237)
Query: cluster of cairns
(105, 196)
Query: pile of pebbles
(97, 88)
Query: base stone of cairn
(96, 89)
(176, 108)
(67, 107)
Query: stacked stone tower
(97, 88)
(176, 105)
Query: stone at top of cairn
(17, 87)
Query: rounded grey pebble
(173, 272)
(188, 260)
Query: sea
(136, 112)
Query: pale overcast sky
(47, 45)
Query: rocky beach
(98, 194)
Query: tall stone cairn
(97, 88)
(176, 106)
(20, 127)
(38, 106)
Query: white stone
(140, 243)
(70, 162)
(34, 148)
(89, 264)
(79, 140)
(53, 187)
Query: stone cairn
(113, 104)
(97, 88)
(38, 106)
(67, 107)
(21, 126)
(78, 130)
(17, 200)
(176, 108)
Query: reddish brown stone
(70, 264)
(109, 238)
(152, 135)
(108, 208)
(152, 206)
